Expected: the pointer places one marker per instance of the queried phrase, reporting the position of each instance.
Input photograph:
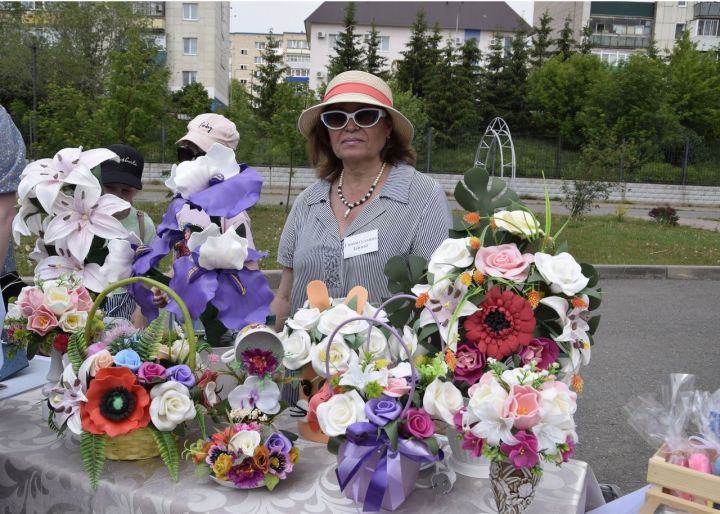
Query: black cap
(128, 171)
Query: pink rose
(469, 363)
(163, 352)
(542, 351)
(81, 299)
(504, 261)
(42, 321)
(417, 424)
(103, 359)
(396, 387)
(30, 299)
(150, 373)
(523, 404)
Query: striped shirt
(411, 214)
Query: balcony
(619, 41)
(707, 10)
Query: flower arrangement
(61, 203)
(44, 316)
(210, 272)
(128, 394)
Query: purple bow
(365, 440)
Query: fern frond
(168, 450)
(92, 451)
(59, 431)
(76, 349)
(152, 337)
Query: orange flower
(450, 360)
(465, 278)
(421, 300)
(474, 243)
(222, 438)
(261, 458)
(198, 456)
(116, 404)
(534, 298)
(493, 225)
(471, 218)
(294, 454)
(579, 303)
(478, 277)
(577, 383)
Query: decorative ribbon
(364, 441)
(358, 87)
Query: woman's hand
(280, 305)
(160, 299)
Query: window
(613, 58)
(243, 81)
(679, 29)
(259, 60)
(298, 58)
(189, 77)
(298, 72)
(620, 29)
(243, 66)
(708, 27)
(259, 45)
(297, 43)
(243, 52)
(384, 43)
(599, 28)
(332, 39)
(190, 12)
(682, 4)
(190, 45)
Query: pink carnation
(503, 261)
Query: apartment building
(246, 49)
(620, 29)
(459, 21)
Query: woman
(369, 203)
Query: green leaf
(427, 331)
(200, 413)
(352, 304)
(214, 329)
(92, 452)
(432, 445)
(333, 444)
(76, 350)
(168, 450)
(271, 481)
(480, 193)
(152, 337)
(593, 324)
(590, 272)
(562, 247)
(391, 429)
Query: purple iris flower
(228, 198)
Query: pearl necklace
(352, 205)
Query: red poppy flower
(116, 404)
(504, 323)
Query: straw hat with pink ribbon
(362, 88)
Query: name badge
(360, 244)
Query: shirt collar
(396, 187)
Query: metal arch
(497, 136)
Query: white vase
(462, 461)
(55, 373)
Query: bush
(656, 173)
(664, 215)
(580, 198)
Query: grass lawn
(597, 240)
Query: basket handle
(187, 321)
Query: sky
(286, 16)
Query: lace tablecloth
(40, 473)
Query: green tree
(374, 62)
(66, 119)
(412, 68)
(268, 76)
(191, 100)
(493, 78)
(241, 112)
(515, 74)
(586, 43)
(565, 43)
(541, 41)
(348, 52)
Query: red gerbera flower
(504, 323)
(116, 404)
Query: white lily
(64, 263)
(191, 177)
(65, 399)
(27, 222)
(118, 263)
(69, 166)
(574, 326)
(359, 378)
(78, 219)
(39, 252)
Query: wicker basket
(140, 444)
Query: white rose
(304, 319)
(377, 346)
(245, 442)
(14, 311)
(487, 401)
(341, 356)
(297, 349)
(442, 400)
(562, 272)
(57, 299)
(521, 223)
(179, 350)
(73, 321)
(339, 412)
(333, 317)
(452, 253)
(170, 405)
(49, 284)
(558, 405)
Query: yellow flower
(534, 298)
(579, 303)
(222, 466)
(465, 278)
(478, 277)
(475, 243)
(294, 454)
(381, 364)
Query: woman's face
(353, 144)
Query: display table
(41, 473)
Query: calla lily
(443, 300)
(574, 329)
(69, 166)
(78, 219)
(64, 263)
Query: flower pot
(462, 461)
(513, 488)
(14, 360)
(136, 445)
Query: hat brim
(402, 127)
(120, 177)
(202, 141)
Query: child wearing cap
(124, 180)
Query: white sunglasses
(364, 118)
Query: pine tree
(515, 78)
(411, 69)
(653, 52)
(492, 78)
(267, 77)
(586, 44)
(564, 43)
(541, 41)
(348, 52)
(374, 62)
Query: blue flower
(129, 359)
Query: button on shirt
(410, 213)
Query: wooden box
(665, 477)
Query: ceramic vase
(513, 488)
(462, 461)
